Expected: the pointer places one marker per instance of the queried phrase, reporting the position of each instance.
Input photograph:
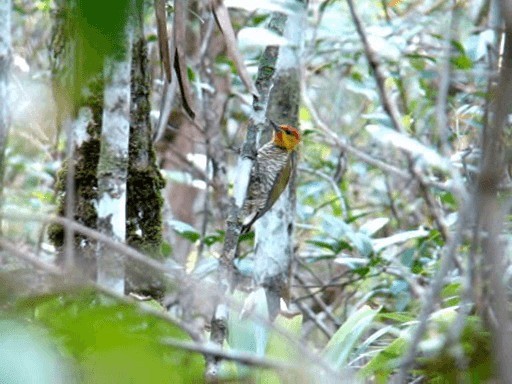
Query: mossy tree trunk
(144, 182)
(85, 111)
(113, 164)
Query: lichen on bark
(144, 198)
(86, 183)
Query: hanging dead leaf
(221, 15)
(163, 37)
(179, 32)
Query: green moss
(85, 180)
(145, 201)
(144, 184)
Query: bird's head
(285, 136)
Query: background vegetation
(396, 245)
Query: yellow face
(287, 137)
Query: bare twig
(432, 295)
(315, 318)
(490, 214)
(94, 234)
(444, 82)
(210, 349)
(380, 77)
(318, 301)
(333, 185)
(22, 254)
(343, 143)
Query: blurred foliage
(108, 341)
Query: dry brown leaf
(179, 55)
(163, 38)
(221, 15)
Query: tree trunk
(274, 250)
(113, 165)
(144, 208)
(76, 199)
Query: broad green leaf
(384, 362)
(28, 357)
(400, 317)
(185, 230)
(336, 352)
(111, 341)
(372, 226)
(282, 348)
(247, 330)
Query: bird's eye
(287, 132)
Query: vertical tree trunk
(492, 293)
(266, 69)
(113, 165)
(5, 62)
(144, 208)
(274, 252)
(83, 137)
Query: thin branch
(334, 187)
(210, 349)
(266, 70)
(23, 254)
(314, 317)
(379, 74)
(27, 256)
(343, 144)
(106, 240)
(432, 296)
(444, 82)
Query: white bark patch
(113, 167)
(80, 126)
(272, 240)
(240, 186)
(244, 166)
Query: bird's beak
(275, 126)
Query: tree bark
(113, 165)
(274, 241)
(144, 185)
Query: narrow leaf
(222, 18)
(179, 56)
(163, 38)
(336, 352)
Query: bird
(270, 173)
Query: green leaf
(166, 249)
(385, 361)
(281, 348)
(341, 344)
(329, 244)
(400, 317)
(112, 341)
(247, 332)
(185, 230)
(462, 62)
